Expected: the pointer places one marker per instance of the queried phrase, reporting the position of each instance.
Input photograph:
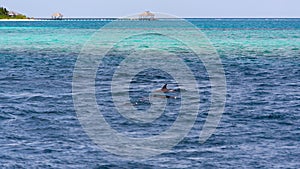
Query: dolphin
(161, 93)
(165, 90)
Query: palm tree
(3, 11)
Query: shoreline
(111, 19)
(5, 20)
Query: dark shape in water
(165, 89)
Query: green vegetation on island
(5, 14)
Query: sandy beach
(17, 20)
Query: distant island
(5, 14)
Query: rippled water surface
(260, 127)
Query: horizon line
(175, 18)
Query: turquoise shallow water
(259, 128)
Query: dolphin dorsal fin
(165, 86)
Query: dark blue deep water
(260, 127)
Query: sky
(180, 8)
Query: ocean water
(260, 126)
